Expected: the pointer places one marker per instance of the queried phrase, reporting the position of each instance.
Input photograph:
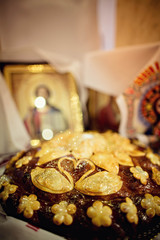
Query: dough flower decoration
(156, 175)
(28, 205)
(154, 158)
(115, 142)
(121, 148)
(136, 153)
(151, 204)
(4, 178)
(123, 158)
(88, 144)
(63, 213)
(52, 155)
(59, 143)
(106, 161)
(131, 210)
(8, 189)
(14, 159)
(138, 173)
(22, 161)
(100, 215)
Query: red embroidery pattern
(32, 227)
(134, 91)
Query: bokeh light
(40, 102)
(47, 134)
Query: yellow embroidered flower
(151, 204)
(63, 213)
(28, 205)
(138, 173)
(22, 161)
(8, 189)
(156, 175)
(131, 210)
(100, 215)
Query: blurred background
(74, 27)
(61, 33)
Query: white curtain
(107, 23)
(13, 135)
(67, 27)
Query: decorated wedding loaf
(85, 186)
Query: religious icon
(48, 101)
(44, 118)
